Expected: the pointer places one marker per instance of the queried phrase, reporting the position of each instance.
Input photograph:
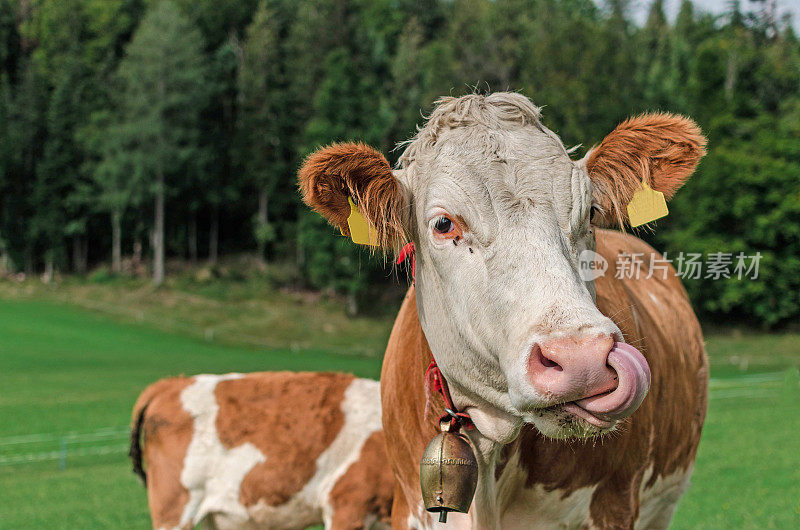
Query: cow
(263, 450)
(551, 364)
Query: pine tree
(263, 131)
(113, 175)
(27, 112)
(683, 43)
(655, 59)
(9, 56)
(406, 97)
(58, 168)
(163, 77)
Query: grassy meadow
(73, 358)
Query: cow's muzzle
(597, 379)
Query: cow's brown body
(263, 450)
(632, 477)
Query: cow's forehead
(499, 167)
(491, 147)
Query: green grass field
(70, 376)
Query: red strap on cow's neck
(407, 252)
(433, 376)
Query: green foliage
(746, 198)
(163, 83)
(264, 232)
(265, 128)
(164, 80)
(744, 88)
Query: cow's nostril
(548, 363)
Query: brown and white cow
(263, 450)
(551, 365)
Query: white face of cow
(499, 220)
(499, 215)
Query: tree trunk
(116, 243)
(262, 222)
(213, 237)
(138, 247)
(731, 75)
(158, 232)
(351, 304)
(4, 259)
(85, 254)
(76, 254)
(193, 237)
(47, 277)
(299, 251)
(79, 245)
(30, 268)
(136, 260)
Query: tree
(214, 176)
(163, 78)
(104, 186)
(563, 66)
(9, 56)
(407, 84)
(745, 200)
(263, 97)
(58, 167)
(210, 129)
(656, 40)
(74, 44)
(112, 188)
(26, 132)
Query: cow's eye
(443, 225)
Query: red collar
(435, 379)
(433, 376)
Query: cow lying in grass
(263, 450)
(551, 365)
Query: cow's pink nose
(608, 379)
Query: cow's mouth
(574, 409)
(569, 420)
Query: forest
(137, 133)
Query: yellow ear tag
(360, 231)
(646, 205)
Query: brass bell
(448, 474)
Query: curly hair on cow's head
(501, 110)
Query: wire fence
(62, 447)
(764, 385)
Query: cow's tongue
(634, 382)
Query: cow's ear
(332, 174)
(660, 149)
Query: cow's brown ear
(332, 174)
(660, 149)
